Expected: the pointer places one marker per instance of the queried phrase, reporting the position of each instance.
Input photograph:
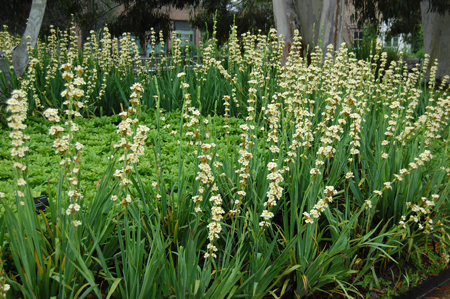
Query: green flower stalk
(67, 145)
(17, 105)
(132, 142)
(244, 170)
(4, 287)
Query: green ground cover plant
(238, 178)
(98, 134)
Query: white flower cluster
(426, 156)
(214, 226)
(368, 204)
(303, 136)
(176, 50)
(273, 113)
(226, 116)
(201, 70)
(303, 131)
(355, 130)
(193, 114)
(218, 65)
(327, 151)
(206, 179)
(421, 214)
(63, 143)
(17, 105)
(4, 287)
(274, 194)
(127, 128)
(320, 206)
(73, 208)
(73, 91)
(251, 107)
(275, 176)
(204, 175)
(244, 170)
(244, 174)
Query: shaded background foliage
(248, 16)
(138, 16)
(89, 14)
(403, 16)
(135, 19)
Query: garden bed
(238, 178)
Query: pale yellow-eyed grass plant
(132, 142)
(18, 106)
(4, 287)
(66, 144)
(26, 251)
(342, 162)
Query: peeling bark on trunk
(436, 38)
(326, 15)
(20, 57)
(284, 15)
(3, 68)
(328, 18)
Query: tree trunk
(436, 38)
(327, 17)
(20, 57)
(4, 69)
(284, 16)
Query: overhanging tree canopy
(247, 15)
(139, 16)
(15, 13)
(403, 16)
(406, 16)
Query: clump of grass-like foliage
(334, 171)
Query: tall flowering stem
(321, 205)
(4, 287)
(191, 113)
(273, 195)
(244, 170)
(66, 145)
(275, 176)
(132, 143)
(251, 108)
(206, 178)
(17, 105)
(226, 115)
(204, 175)
(214, 226)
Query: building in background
(353, 36)
(396, 42)
(182, 27)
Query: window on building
(184, 32)
(391, 41)
(395, 41)
(357, 38)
